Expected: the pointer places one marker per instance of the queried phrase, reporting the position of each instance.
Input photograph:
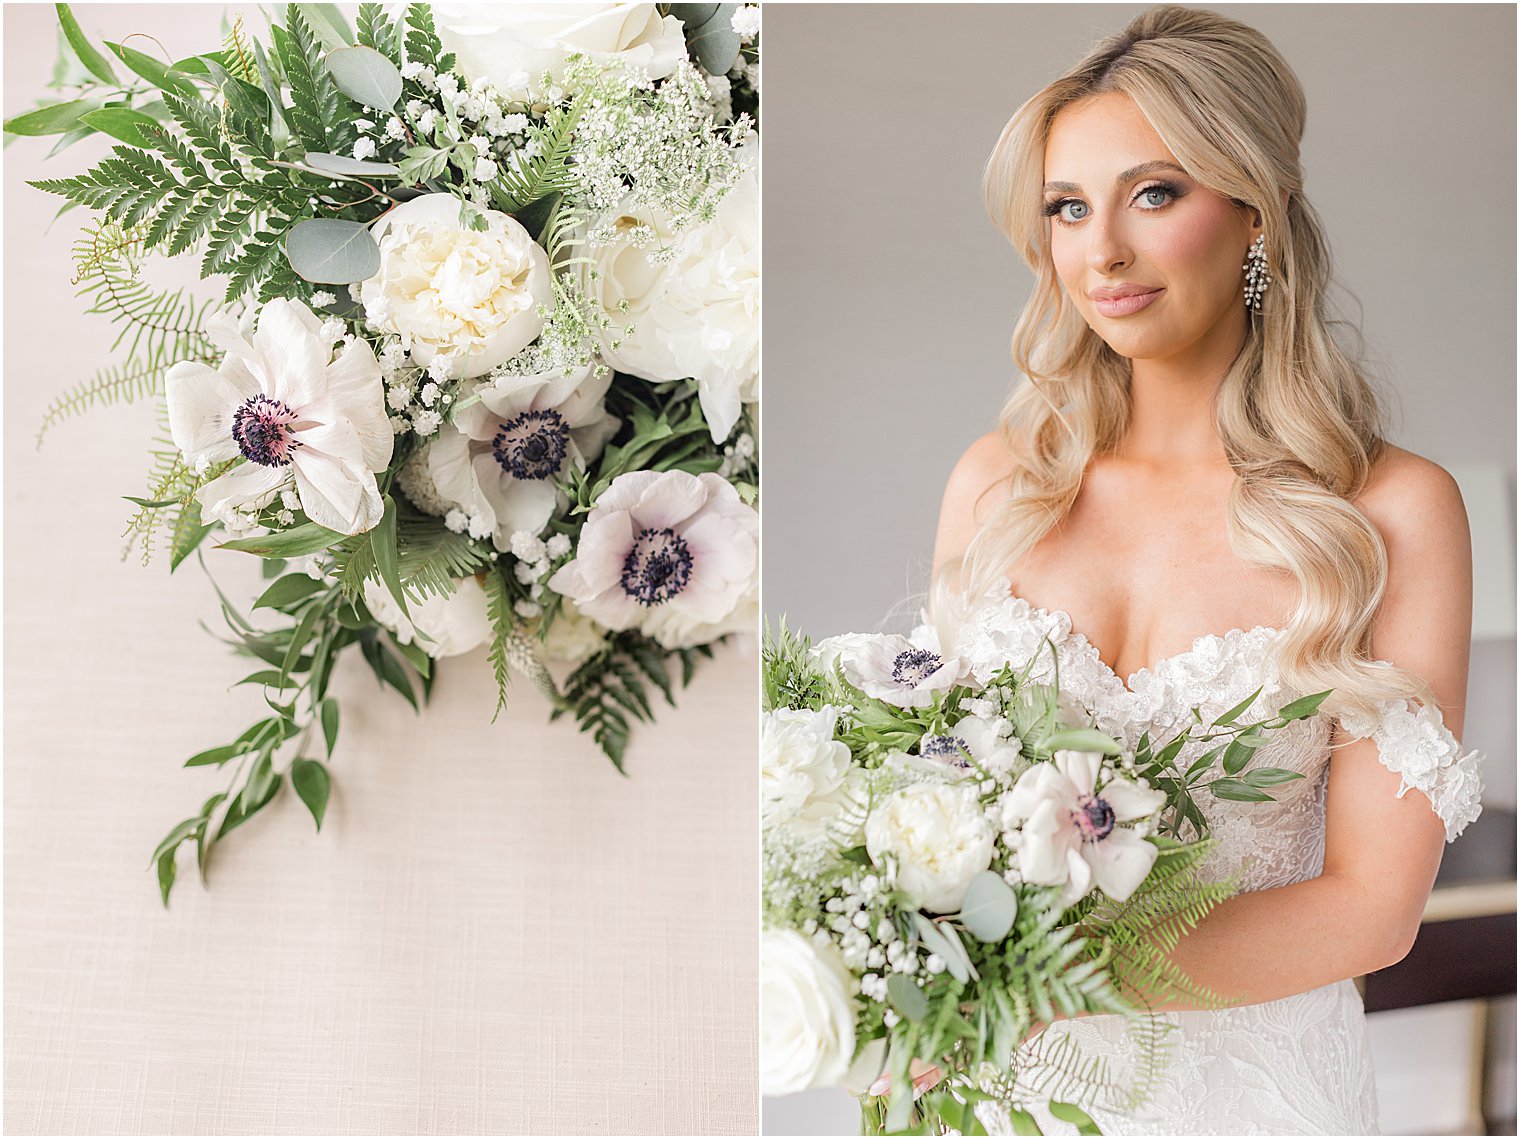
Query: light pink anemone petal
(342, 496)
(337, 439)
(578, 396)
(724, 547)
(705, 600)
(1131, 801)
(247, 484)
(669, 502)
(1079, 876)
(1047, 838)
(624, 492)
(227, 333)
(202, 403)
(593, 436)
(1081, 768)
(356, 391)
(612, 608)
(510, 396)
(1040, 783)
(1120, 862)
(520, 504)
(602, 550)
(450, 468)
(294, 354)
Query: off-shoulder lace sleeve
(1413, 740)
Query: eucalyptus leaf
(307, 538)
(329, 24)
(1238, 791)
(92, 59)
(935, 941)
(716, 44)
(330, 724)
(57, 118)
(121, 123)
(365, 76)
(327, 251)
(312, 784)
(1236, 712)
(990, 907)
(158, 74)
(279, 123)
(1081, 739)
(291, 588)
(1071, 1113)
(1304, 706)
(906, 997)
(348, 167)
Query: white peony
(695, 316)
(513, 44)
(572, 636)
(807, 1014)
(1069, 827)
(441, 626)
(293, 409)
(471, 296)
(939, 837)
(672, 554)
(499, 459)
(800, 760)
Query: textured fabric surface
(1296, 1066)
(494, 932)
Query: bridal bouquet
(947, 864)
(481, 365)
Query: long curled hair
(1299, 422)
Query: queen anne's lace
(1299, 1065)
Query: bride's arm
(1381, 851)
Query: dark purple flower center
(951, 749)
(912, 667)
(1094, 818)
(657, 567)
(261, 429)
(532, 445)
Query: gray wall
(890, 297)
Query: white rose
(807, 1029)
(940, 839)
(504, 42)
(799, 760)
(695, 316)
(448, 626)
(471, 296)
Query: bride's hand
(925, 1076)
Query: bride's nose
(1108, 250)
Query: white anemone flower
(500, 458)
(978, 738)
(1069, 827)
(890, 667)
(667, 552)
(282, 400)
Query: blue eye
(1154, 197)
(1057, 210)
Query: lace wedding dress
(1295, 1066)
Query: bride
(1193, 453)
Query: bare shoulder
(1425, 619)
(986, 463)
(1412, 499)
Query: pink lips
(1124, 300)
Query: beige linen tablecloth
(494, 932)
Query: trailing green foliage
(612, 687)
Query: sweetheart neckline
(1126, 684)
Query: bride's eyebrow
(1129, 175)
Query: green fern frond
(237, 54)
(503, 627)
(431, 558)
(524, 181)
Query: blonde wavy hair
(1298, 420)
